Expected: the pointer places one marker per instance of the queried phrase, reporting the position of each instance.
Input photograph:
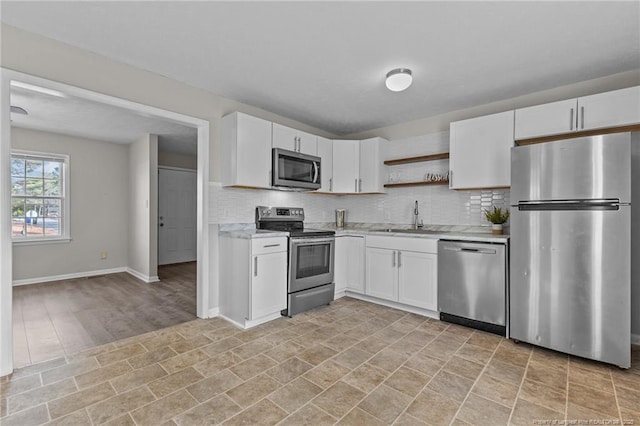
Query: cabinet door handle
(255, 266)
(399, 259)
(271, 245)
(330, 184)
(356, 185)
(359, 185)
(393, 259)
(571, 120)
(582, 116)
(450, 179)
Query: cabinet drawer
(268, 245)
(418, 244)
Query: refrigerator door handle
(601, 204)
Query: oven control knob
(269, 212)
(264, 212)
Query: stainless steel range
(311, 258)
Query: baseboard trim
(236, 323)
(213, 312)
(142, 277)
(339, 293)
(74, 275)
(635, 339)
(396, 305)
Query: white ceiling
(323, 63)
(80, 117)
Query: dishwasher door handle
(471, 250)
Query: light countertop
(440, 232)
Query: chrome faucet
(416, 213)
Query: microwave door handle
(315, 172)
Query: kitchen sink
(408, 231)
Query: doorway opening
(121, 274)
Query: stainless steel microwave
(295, 170)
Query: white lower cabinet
(382, 273)
(403, 270)
(418, 279)
(253, 279)
(268, 285)
(349, 264)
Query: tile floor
(351, 363)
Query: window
(39, 196)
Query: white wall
(99, 176)
(143, 208)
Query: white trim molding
(50, 278)
(141, 276)
(213, 312)
(6, 248)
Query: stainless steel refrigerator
(570, 275)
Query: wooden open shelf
(398, 184)
(419, 159)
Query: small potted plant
(497, 217)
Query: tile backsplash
(438, 204)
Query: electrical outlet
(104, 255)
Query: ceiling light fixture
(38, 89)
(398, 79)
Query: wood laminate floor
(51, 320)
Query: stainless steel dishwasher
(472, 284)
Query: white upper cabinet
(294, 140)
(480, 152)
(325, 152)
(357, 167)
(246, 150)
(547, 119)
(602, 110)
(370, 179)
(610, 109)
(346, 165)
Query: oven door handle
(312, 240)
